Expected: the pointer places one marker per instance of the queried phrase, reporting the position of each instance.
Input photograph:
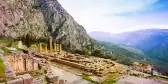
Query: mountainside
(124, 52)
(152, 42)
(40, 20)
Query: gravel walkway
(136, 80)
(72, 78)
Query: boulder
(51, 78)
(27, 79)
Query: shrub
(89, 52)
(81, 52)
(97, 53)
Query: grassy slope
(112, 79)
(2, 68)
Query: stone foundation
(96, 66)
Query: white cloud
(91, 13)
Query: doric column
(55, 47)
(46, 48)
(60, 48)
(20, 44)
(40, 47)
(51, 48)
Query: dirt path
(136, 80)
(73, 79)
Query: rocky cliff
(42, 19)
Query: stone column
(20, 44)
(51, 45)
(60, 48)
(41, 47)
(46, 48)
(55, 47)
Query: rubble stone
(51, 78)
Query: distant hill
(152, 42)
(101, 36)
(123, 54)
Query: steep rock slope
(42, 19)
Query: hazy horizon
(117, 16)
(129, 31)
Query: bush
(98, 53)
(89, 52)
(81, 52)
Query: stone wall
(22, 63)
(22, 79)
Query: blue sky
(118, 16)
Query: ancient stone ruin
(99, 67)
(22, 63)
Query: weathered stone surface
(27, 79)
(61, 81)
(16, 81)
(52, 78)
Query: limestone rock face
(41, 19)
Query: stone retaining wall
(22, 63)
(23, 79)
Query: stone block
(16, 81)
(2, 83)
(61, 82)
(27, 79)
(52, 78)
